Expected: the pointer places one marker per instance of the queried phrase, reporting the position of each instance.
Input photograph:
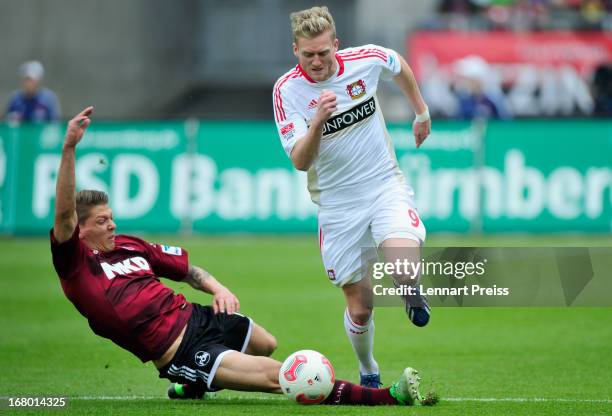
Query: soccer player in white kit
(330, 124)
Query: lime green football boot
(406, 389)
(184, 391)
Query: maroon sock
(345, 392)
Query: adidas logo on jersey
(125, 267)
(313, 104)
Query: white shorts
(345, 231)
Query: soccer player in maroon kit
(113, 280)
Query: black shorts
(207, 339)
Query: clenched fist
(326, 107)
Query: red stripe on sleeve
(364, 53)
(279, 111)
(355, 58)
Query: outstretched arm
(407, 83)
(65, 187)
(223, 299)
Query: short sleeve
(168, 261)
(290, 125)
(388, 59)
(68, 256)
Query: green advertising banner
(240, 179)
(132, 163)
(548, 176)
(530, 176)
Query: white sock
(362, 338)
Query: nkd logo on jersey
(356, 114)
(125, 267)
(356, 90)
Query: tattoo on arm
(196, 277)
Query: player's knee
(360, 315)
(270, 345)
(263, 345)
(267, 343)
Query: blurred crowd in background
(32, 103)
(184, 137)
(489, 59)
(481, 88)
(525, 15)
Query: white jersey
(356, 153)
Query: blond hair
(86, 200)
(312, 22)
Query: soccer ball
(307, 377)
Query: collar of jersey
(339, 71)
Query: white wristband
(424, 116)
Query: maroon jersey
(120, 294)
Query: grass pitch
(493, 361)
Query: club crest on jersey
(356, 90)
(287, 131)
